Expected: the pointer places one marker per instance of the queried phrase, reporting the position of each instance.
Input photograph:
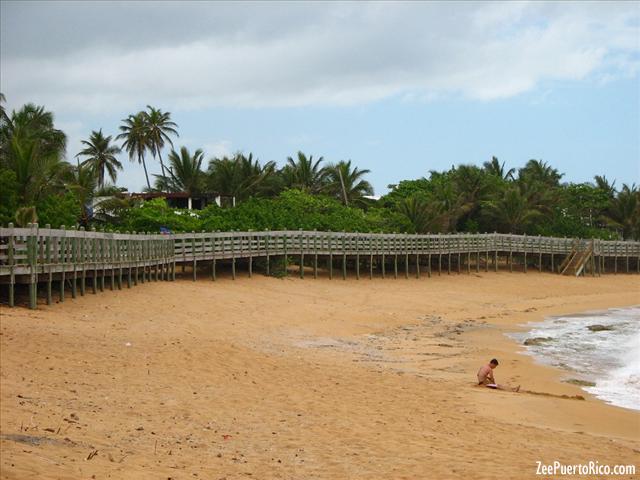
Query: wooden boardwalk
(77, 259)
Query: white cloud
(218, 149)
(325, 54)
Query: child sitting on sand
(485, 377)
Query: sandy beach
(302, 379)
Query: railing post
(405, 238)
(63, 255)
(286, 260)
(315, 254)
(384, 252)
(428, 240)
(32, 258)
(11, 261)
(371, 244)
(83, 274)
(525, 252)
(213, 253)
(266, 248)
(48, 262)
(357, 257)
(129, 245)
(193, 252)
(300, 241)
(395, 256)
(74, 260)
(330, 238)
(94, 260)
(118, 246)
(250, 237)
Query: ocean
(606, 355)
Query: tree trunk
(164, 175)
(144, 165)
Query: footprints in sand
(407, 349)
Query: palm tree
(135, 133)
(452, 203)
(423, 215)
(624, 212)
(495, 168)
(34, 124)
(512, 211)
(305, 174)
(160, 127)
(347, 184)
(33, 149)
(241, 177)
(185, 172)
(472, 185)
(3, 113)
(537, 171)
(100, 155)
(603, 183)
(82, 180)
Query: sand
(301, 379)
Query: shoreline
(301, 378)
(566, 374)
(549, 379)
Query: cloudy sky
(399, 88)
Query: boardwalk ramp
(575, 263)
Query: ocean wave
(607, 354)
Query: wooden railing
(32, 255)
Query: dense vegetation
(37, 184)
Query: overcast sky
(399, 88)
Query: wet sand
(288, 378)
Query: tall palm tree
(241, 177)
(185, 172)
(348, 184)
(495, 168)
(305, 174)
(101, 156)
(160, 129)
(4, 122)
(135, 133)
(3, 113)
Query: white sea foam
(609, 358)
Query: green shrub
(59, 209)
(151, 215)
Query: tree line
(37, 184)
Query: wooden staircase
(576, 261)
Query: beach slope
(288, 378)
